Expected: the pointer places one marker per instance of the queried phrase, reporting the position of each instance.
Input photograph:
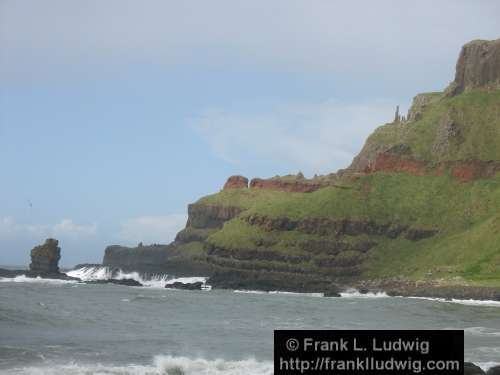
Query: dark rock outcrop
(495, 370)
(137, 258)
(210, 216)
(236, 182)
(471, 369)
(273, 281)
(125, 282)
(478, 66)
(186, 286)
(45, 258)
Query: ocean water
(57, 327)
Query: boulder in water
(495, 370)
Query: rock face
(495, 370)
(291, 186)
(45, 258)
(478, 66)
(210, 216)
(236, 182)
(472, 369)
(137, 258)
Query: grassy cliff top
(443, 128)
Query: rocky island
(416, 213)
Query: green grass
(476, 115)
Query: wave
(153, 281)
(481, 331)
(467, 302)
(38, 279)
(162, 365)
(354, 293)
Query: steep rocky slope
(421, 202)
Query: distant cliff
(138, 258)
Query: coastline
(276, 283)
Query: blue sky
(115, 115)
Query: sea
(66, 327)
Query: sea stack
(45, 258)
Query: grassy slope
(476, 114)
(467, 214)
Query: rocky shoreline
(407, 288)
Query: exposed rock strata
(323, 226)
(464, 170)
(294, 186)
(210, 216)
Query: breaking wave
(154, 280)
(162, 365)
(354, 293)
(25, 279)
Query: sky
(115, 115)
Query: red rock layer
(236, 182)
(463, 170)
(296, 186)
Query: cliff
(137, 258)
(420, 203)
(478, 66)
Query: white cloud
(314, 138)
(66, 228)
(386, 36)
(152, 229)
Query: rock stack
(45, 258)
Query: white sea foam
(155, 281)
(162, 365)
(296, 293)
(279, 292)
(467, 302)
(25, 279)
(249, 291)
(354, 293)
